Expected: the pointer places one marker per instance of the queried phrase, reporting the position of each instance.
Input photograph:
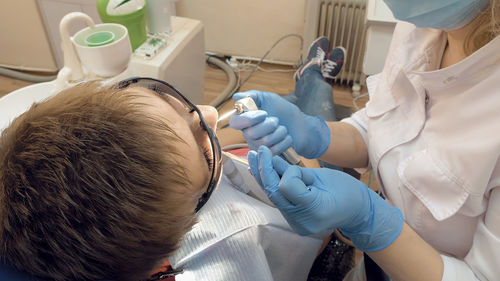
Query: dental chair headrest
(7, 272)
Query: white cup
(105, 58)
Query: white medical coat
(433, 137)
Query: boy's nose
(210, 114)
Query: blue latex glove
(279, 125)
(314, 200)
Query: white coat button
(449, 80)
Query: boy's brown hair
(91, 188)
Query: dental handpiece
(248, 104)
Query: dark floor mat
(333, 263)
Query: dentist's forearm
(409, 258)
(347, 147)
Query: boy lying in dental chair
(113, 183)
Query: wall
(249, 28)
(24, 43)
(240, 28)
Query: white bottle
(159, 15)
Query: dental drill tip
(226, 115)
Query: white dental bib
(241, 238)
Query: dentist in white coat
(431, 134)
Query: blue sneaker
(333, 63)
(315, 56)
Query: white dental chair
(15, 103)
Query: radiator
(343, 23)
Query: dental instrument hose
(25, 76)
(232, 85)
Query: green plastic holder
(135, 22)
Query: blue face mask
(439, 14)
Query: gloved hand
(314, 200)
(279, 125)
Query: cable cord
(246, 65)
(227, 94)
(234, 83)
(25, 76)
(267, 53)
(355, 100)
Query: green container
(135, 22)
